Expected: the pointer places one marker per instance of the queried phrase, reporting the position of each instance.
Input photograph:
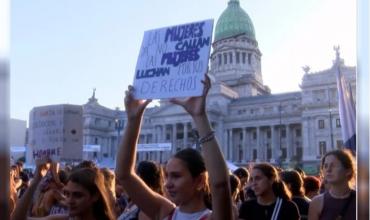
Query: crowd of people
(191, 185)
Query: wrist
(207, 138)
(134, 119)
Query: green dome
(234, 21)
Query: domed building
(251, 124)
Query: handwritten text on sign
(173, 60)
(56, 132)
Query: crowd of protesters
(192, 184)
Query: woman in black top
(294, 182)
(273, 199)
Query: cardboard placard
(173, 60)
(55, 131)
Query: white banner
(173, 60)
(56, 132)
(154, 147)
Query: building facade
(251, 124)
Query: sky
(61, 50)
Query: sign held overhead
(173, 60)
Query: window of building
(225, 58)
(241, 136)
(254, 154)
(283, 153)
(219, 59)
(337, 123)
(322, 148)
(244, 56)
(237, 57)
(168, 137)
(254, 134)
(298, 132)
(268, 134)
(231, 57)
(97, 121)
(321, 124)
(299, 153)
(240, 153)
(339, 144)
(180, 135)
(96, 140)
(283, 133)
(269, 153)
(149, 138)
(249, 58)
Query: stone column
(185, 135)
(259, 147)
(244, 144)
(288, 142)
(225, 144)
(230, 144)
(250, 144)
(274, 145)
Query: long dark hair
(278, 186)
(151, 173)
(195, 163)
(93, 181)
(294, 179)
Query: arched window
(225, 58)
(237, 57)
(244, 56)
(231, 57)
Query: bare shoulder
(316, 206)
(318, 200)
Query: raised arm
(214, 161)
(23, 204)
(152, 204)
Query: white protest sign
(55, 131)
(173, 60)
(154, 147)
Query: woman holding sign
(186, 172)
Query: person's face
(243, 182)
(78, 199)
(181, 187)
(333, 170)
(260, 183)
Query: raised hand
(41, 168)
(195, 106)
(134, 108)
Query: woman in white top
(186, 173)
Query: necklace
(342, 196)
